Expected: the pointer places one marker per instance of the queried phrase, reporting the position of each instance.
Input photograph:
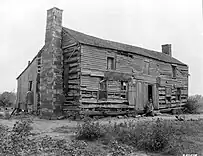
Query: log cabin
(76, 72)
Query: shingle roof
(94, 41)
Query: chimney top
(166, 49)
(53, 24)
(54, 8)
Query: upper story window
(111, 63)
(30, 86)
(174, 71)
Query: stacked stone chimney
(51, 82)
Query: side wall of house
(146, 70)
(30, 74)
(71, 72)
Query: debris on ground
(180, 118)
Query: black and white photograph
(101, 78)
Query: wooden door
(140, 96)
(155, 95)
(146, 96)
(132, 94)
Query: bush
(193, 104)
(16, 141)
(89, 130)
(6, 114)
(156, 136)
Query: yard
(58, 137)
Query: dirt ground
(52, 127)
(65, 129)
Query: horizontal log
(146, 78)
(87, 96)
(162, 97)
(105, 106)
(70, 103)
(162, 92)
(163, 110)
(70, 98)
(73, 76)
(74, 70)
(162, 88)
(106, 113)
(72, 59)
(70, 65)
(72, 91)
(71, 108)
(71, 94)
(76, 81)
(71, 54)
(74, 86)
(105, 102)
(183, 100)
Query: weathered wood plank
(72, 59)
(106, 106)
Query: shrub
(89, 130)
(155, 136)
(16, 141)
(193, 104)
(6, 114)
(22, 127)
(119, 149)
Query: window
(123, 85)
(123, 90)
(102, 85)
(174, 71)
(30, 86)
(110, 63)
(178, 94)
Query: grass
(160, 136)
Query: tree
(7, 99)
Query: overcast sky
(144, 23)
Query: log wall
(71, 77)
(94, 69)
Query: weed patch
(194, 104)
(159, 136)
(89, 130)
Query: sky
(144, 23)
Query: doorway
(150, 93)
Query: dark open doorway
(150, 96)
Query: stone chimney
(53, 25)
(51, 75)
(166, 49)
